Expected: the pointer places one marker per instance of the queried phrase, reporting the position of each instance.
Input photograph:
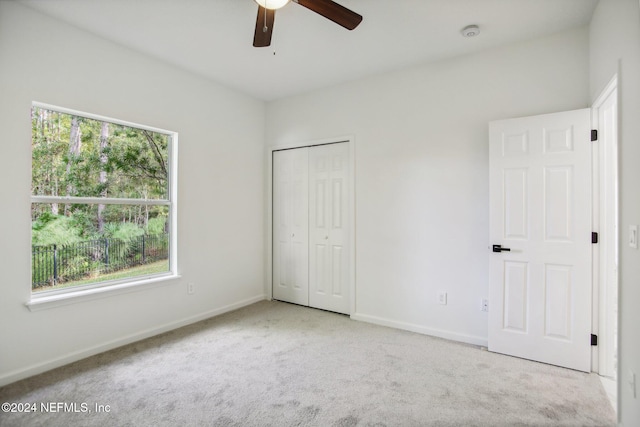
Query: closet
(311, 256)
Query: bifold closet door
(310, 227)
(291, 226)
(328, 228)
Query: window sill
(43, 302)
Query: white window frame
(54, 298)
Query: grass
(140, 270)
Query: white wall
(615, 48)
(422, 190)
(221, 195)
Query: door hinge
(594, 339)
(594, 134)
(594, 238)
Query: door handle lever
(499, 248)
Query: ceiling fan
(327, 8)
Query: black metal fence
(54, 264)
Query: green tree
(89, 158)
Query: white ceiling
(213, 38)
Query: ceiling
(213, 38)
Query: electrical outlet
(484, 305)
(632, 383)
(442, 298)
(191, 289)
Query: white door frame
(350, 141)
(602, 307)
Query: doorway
(523, 188)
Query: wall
(615, 48)
(422, 187)
(221, 173)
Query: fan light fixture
(272, 4)
(326, 8)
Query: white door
(291, 226)
(328, 228)
(540, 209)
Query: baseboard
(453, 336)
(39, 368)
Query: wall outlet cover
(442, 298)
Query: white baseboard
(39, 368)
(453, 336)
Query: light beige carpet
(276, 364)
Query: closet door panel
(290, 226)
(328, 233)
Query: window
(102, 201)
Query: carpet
(278, 364)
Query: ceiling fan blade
(264, 27)
(333, 11)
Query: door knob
(499, 248)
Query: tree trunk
(54, 206)
(75, 144)
(104, 140)
(45, 122)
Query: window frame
(50, 298)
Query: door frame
(601, 311)
(350, 141)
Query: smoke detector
(470, 31)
